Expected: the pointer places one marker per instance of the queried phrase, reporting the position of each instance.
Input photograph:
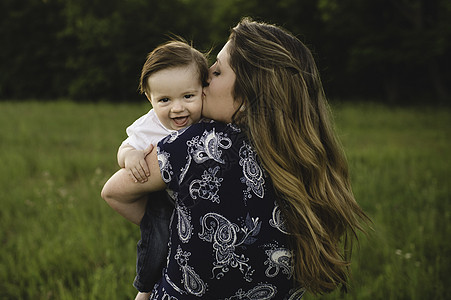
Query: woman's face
(219, 103)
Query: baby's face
(176, 96)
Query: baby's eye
(216, 73)
(189, 96)
(164, 100)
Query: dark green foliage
(396, 50)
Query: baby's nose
(177, 107)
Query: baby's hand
(136, 164)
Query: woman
(263, 198)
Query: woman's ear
(239, 115)
(241, 105)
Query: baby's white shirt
(145, 131)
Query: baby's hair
(173, 54)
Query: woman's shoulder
(206, 127)
(200, 129)
(211, 124)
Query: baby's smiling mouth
(180, 121)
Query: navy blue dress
(227, 238)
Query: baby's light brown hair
(173, 54)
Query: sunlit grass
(61, 241)
(400, 166)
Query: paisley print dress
(228, 239)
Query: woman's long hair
(285, 113)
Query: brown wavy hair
(286, 115)
(173, 54)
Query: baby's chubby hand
(136, 165)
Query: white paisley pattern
(172, 137)
(296, 294)
(205, 147)
(165, 295)
(234, 127)
(208, 187)
(277, 220)
(223, 234)
(262, 291)
(165, 166)
(279, 259)
(208, 146)
(184, 226)
(253, 174)
(168, 297)
(228, 237)
(191, 281)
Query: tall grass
(400, 166)
(59, 240)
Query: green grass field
(59, 240)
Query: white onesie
(145, 131)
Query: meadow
(60, 240)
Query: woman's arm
(126, 196)
(133, 211)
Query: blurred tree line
(396, 51)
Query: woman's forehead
(223, 55)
